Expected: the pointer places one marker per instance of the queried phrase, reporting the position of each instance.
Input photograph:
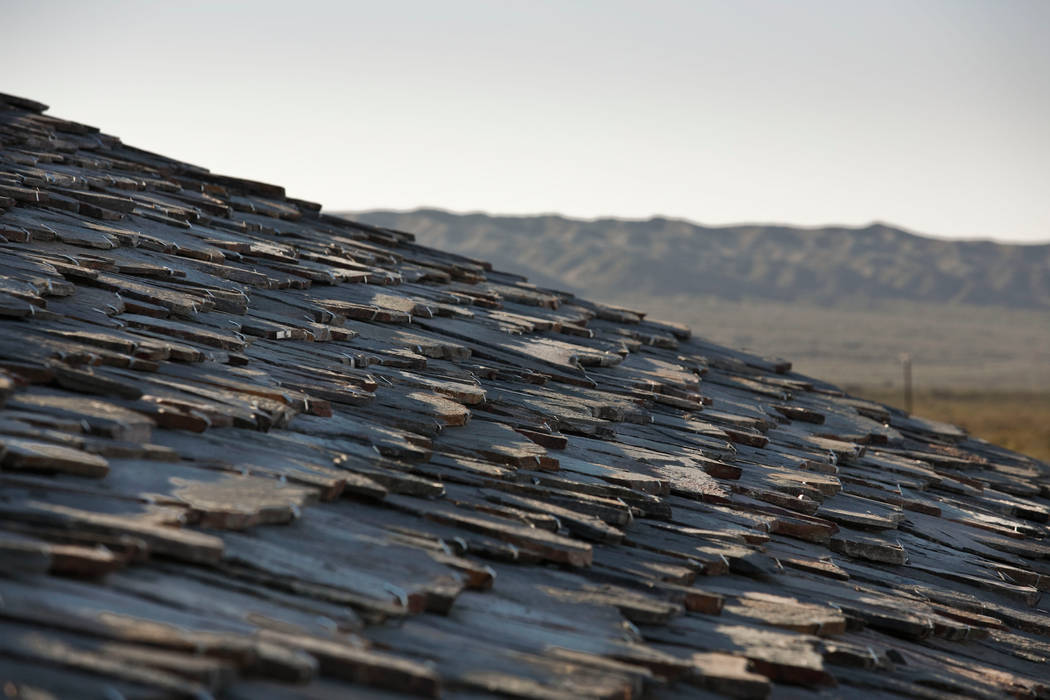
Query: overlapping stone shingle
(253, 450)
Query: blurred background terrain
(843, 304)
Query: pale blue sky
(931, 114)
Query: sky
(928, 114)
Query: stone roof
(252, 450)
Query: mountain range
(662, 258)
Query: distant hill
(664, 258)
(841, 303)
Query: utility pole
(906, 368)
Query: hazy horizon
(928, 115)
(693, 222)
